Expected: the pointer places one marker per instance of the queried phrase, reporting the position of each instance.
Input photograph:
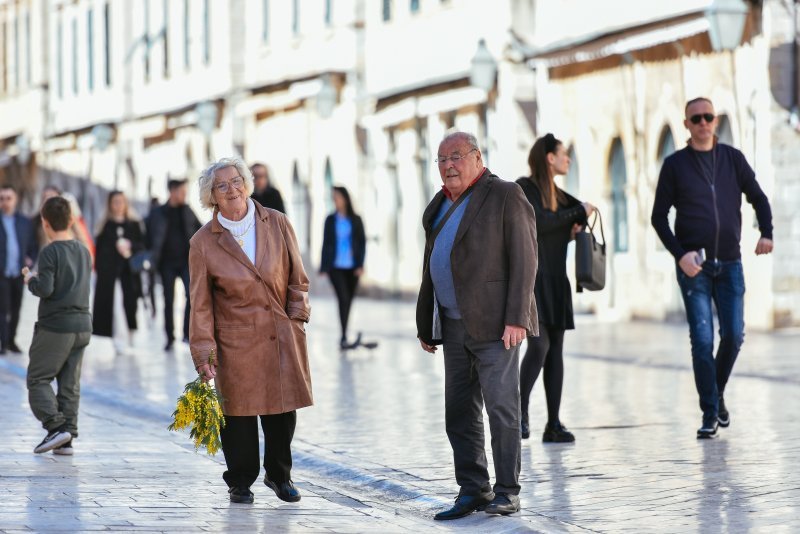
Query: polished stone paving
(372, 455)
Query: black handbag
(141, 261)
(590, 257)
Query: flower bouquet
(199, 409)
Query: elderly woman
(249, 296)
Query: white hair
(471, 140)
(207, 179)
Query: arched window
(724, 132)
(666, 145)
(572, 179)
(619, 200)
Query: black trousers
(546, 351)
(11, 289)
(239, 439)
(169, 273)
(344, 283)
(478, 373)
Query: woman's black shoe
(285, 490)
(525, 427)
(241, 495)
(557, 433)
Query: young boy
(62, 331)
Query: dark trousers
(11, 289)
(476, 372)
(723, 284)
(545, 351)
(56, 356)
(239, 439)
(169, 273)
(344, 283)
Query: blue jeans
(722, 282)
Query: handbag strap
(597, 217)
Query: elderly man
(263, 191)
(704, 182)
(476, 299)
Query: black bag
(590, 257)
(141, 261)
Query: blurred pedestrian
(171, 226)
(249, 309)
(343, 249)
(17, 250)
(476, 299)
(63, 328)
(264, 193)
(117, 289)
(704, 182)
(559, 216)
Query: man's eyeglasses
(223, 187)
(455, 158)
(709, 117)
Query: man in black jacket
(263, 192)
(169, 228)
(18, 249)
(704, 182)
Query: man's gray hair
(208, 175)
(466, 136)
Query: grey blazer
(494, 261)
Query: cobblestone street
(372, 454)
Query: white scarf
(243, 231)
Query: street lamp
(103, 134)
(726, 19)
(483, 69)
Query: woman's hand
(358, 272)
(207, 372)
(589, 208)
(124, 247)
(575, 229)
(27, 274)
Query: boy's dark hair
(57, 213)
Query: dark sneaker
(53, 439)
(708, 430)
(241, 495)
(65, 449)
(557, 433)
(503, 504)
(525, 427)
(723, 416)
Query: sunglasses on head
(696, 118)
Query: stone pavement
(372, 454)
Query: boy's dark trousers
(55, 355)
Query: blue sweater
(707, 202)
(440, 266)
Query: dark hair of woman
(347, 202)
(540, 171)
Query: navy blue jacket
(708, 214)
(28, 247)
(359, 243)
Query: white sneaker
(53, 439)
(65, 450)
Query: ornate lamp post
(483, 74)
(726, 19)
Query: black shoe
(708, 430)
(285, 490)
(14, 348)
(723, 416)
(169, 344)
(525, 427)
(557, 433)
(503, 504)
(465, 505)
(241, 495)
(53, 439)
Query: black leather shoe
(525, 427)
(241, 495)
(285, 490)
(503, 504)
(465, 505)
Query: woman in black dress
(343, 249)
(558, 217)
(119, 238)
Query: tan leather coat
(251, 316)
